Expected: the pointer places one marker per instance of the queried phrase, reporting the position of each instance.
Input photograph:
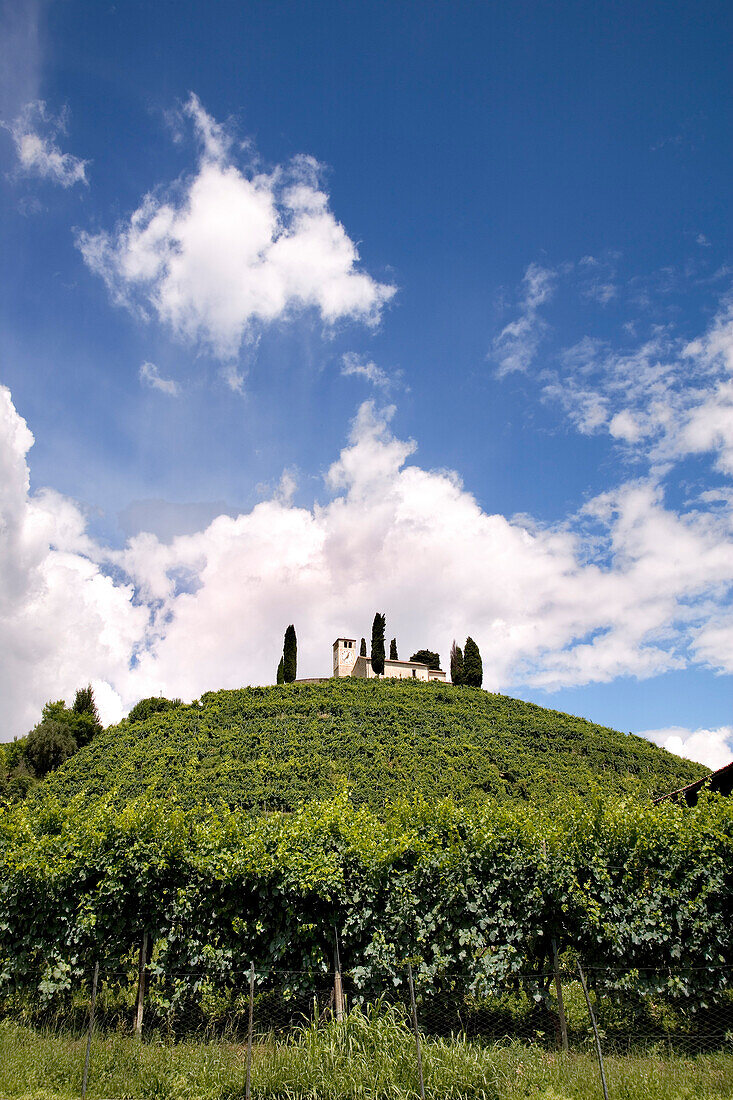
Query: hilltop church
(347, 661)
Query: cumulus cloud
(150, 376)
(516, 345)
(714, 748)
(629, 587)
(221, 253)
(35, 133)
(63, 620)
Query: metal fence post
(595, 1031)
(92, 1002)
(417, 1030)
(248, 1078)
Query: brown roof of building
(720, 781)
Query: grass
(371, 1056)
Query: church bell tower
(344, 656)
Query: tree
(456, 663)
(427, 657)
(48, 746)
(290, 655)
(362, 648)
(280, 673)
(473, 669)
(378, 626)
(84, 717)
(393, 650)
(83, 723)
(84, 703)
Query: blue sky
(318, 309)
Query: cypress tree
(280, 673)
(378, 644)
(84, 716)
(84, 704)
(456, 664)
(290, 655)
(362, 648)
(473, 669)
(393, 650)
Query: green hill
(274, 747)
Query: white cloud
(226, 251)
(63, 621)
(150, 376)
(516, 345)
(629, 587)
(664, 399)
(354, 364)
(713, 642)
(35, 133)
(714, 748)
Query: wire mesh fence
(142, 1014)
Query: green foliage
(427, 657)
(290, 655)
(84, 704)
(275, 747)
(154, 704)
(378, 627)
(393, 650)
(473, 671)
(456, 664)
(644, 892)
(280, 672)
(362, 648)
(48, 746)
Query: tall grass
(370, 1056)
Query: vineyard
(483, 891)
(274, 748)
(225, 860)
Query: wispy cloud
(35, 133)
(663, 399)
(353, 364)
(516, 345)
(150, 376)
(232, 249)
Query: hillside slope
(274, 747)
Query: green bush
(154, 704)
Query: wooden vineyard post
(142, 963)
(338, 989)
(92, 1002)
(560, 1002)
(417, 1030)
(248, 1080)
